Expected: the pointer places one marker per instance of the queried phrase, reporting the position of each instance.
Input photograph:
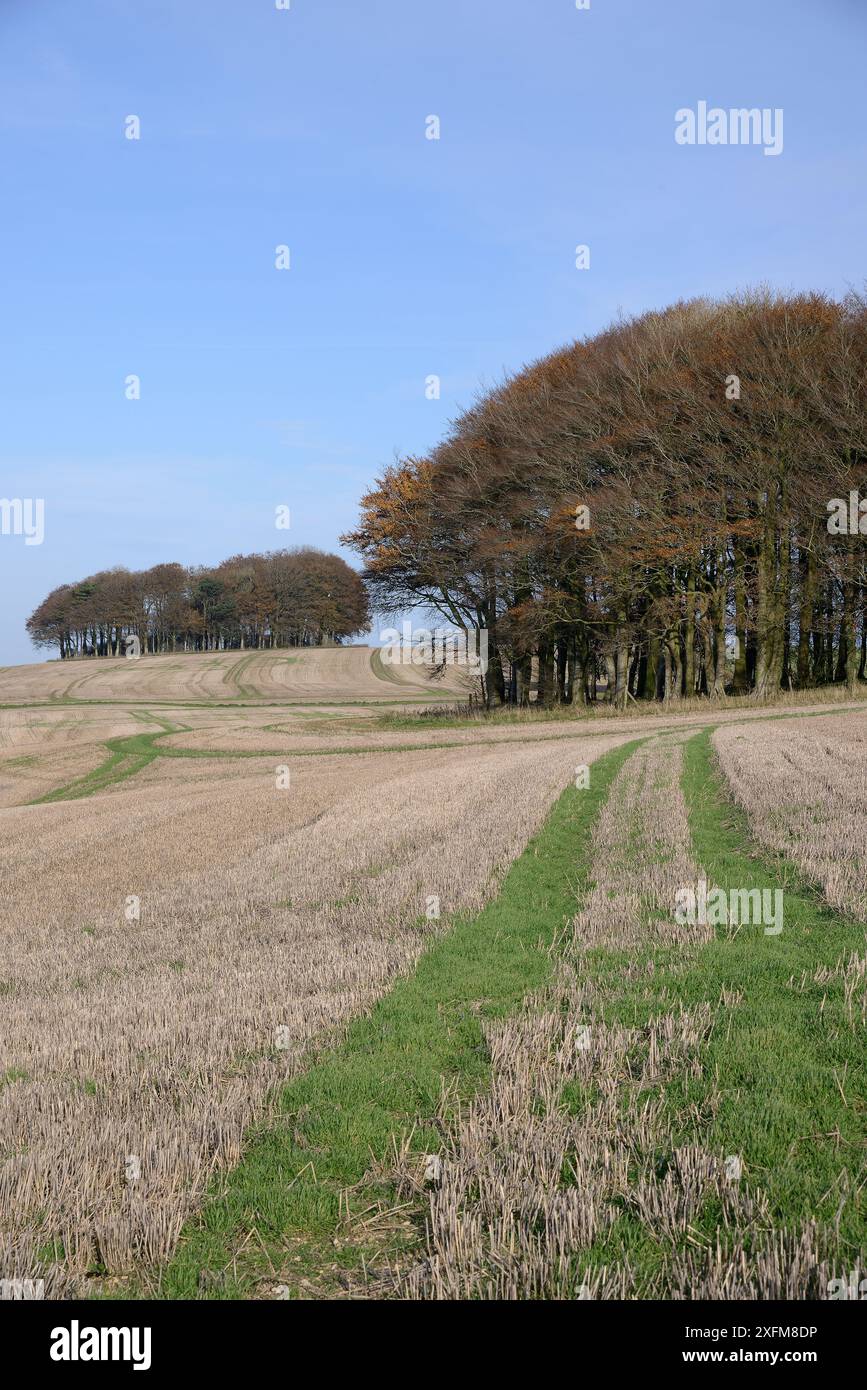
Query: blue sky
(409, 256)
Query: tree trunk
(770, 607)
(740, 680)
(689, 634)
(805, 617)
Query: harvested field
(26, 777)
(641, 850)
(214, 872)
(503, 1223)
(803, 785)
(303, 673)
(265, 919)
(594, 1142)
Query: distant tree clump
(670, 508)
(286, 598)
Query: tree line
(654, 511)
(284, 598)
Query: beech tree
(284, 598)
(646, 511)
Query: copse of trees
(649, 508)
(285, 598)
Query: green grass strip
(386, 1076)
(126, 757)
(130, 754)
(790, 1065)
